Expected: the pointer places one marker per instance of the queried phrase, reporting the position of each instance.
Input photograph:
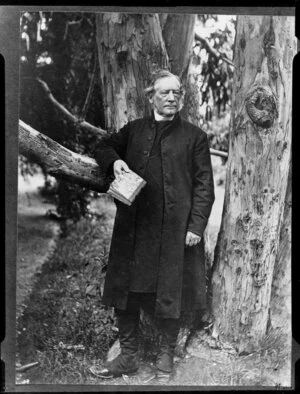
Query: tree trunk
(192, 99)
(280, 307)
(178, 34)
(130, 48)
(256, 180)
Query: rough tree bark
(178, 32)
(178, 35)
(256, 179)
(130, 48)
(192, 99)
(280, 305)
(60, 161)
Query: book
(126, 187)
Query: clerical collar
(160, 118)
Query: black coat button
(150, 138)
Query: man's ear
(150, 98)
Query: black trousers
(137, 300)
(146, 301)
(128, 321)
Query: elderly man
(156, 259)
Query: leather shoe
(119, 366)
(104, 373)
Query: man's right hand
(119, 167)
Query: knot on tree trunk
(261, 106)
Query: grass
(36, 241)
(270, 366)
(65, 327)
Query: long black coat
(188, 199)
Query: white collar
(159, 117)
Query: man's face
(166, 96)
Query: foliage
(217, 74)
(72, 200)
(26, 167)
(60, 48)
(218, 133)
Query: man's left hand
(192, 239)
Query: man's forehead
(167, 83)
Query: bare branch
(212, 50)
(220, 153)
(90, 91)
(70, 23)
(66, 31)
(75, 22)
(63, 110)
(26, 367)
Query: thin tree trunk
(256, 180)
(178, 34)
(192, 99)
(130, 48)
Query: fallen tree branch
(60, 161)
(63, 110)
(26, 367)
(220, 153)
(212, 50)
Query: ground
(60, 318)
(36, 235)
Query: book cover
(126, 187)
